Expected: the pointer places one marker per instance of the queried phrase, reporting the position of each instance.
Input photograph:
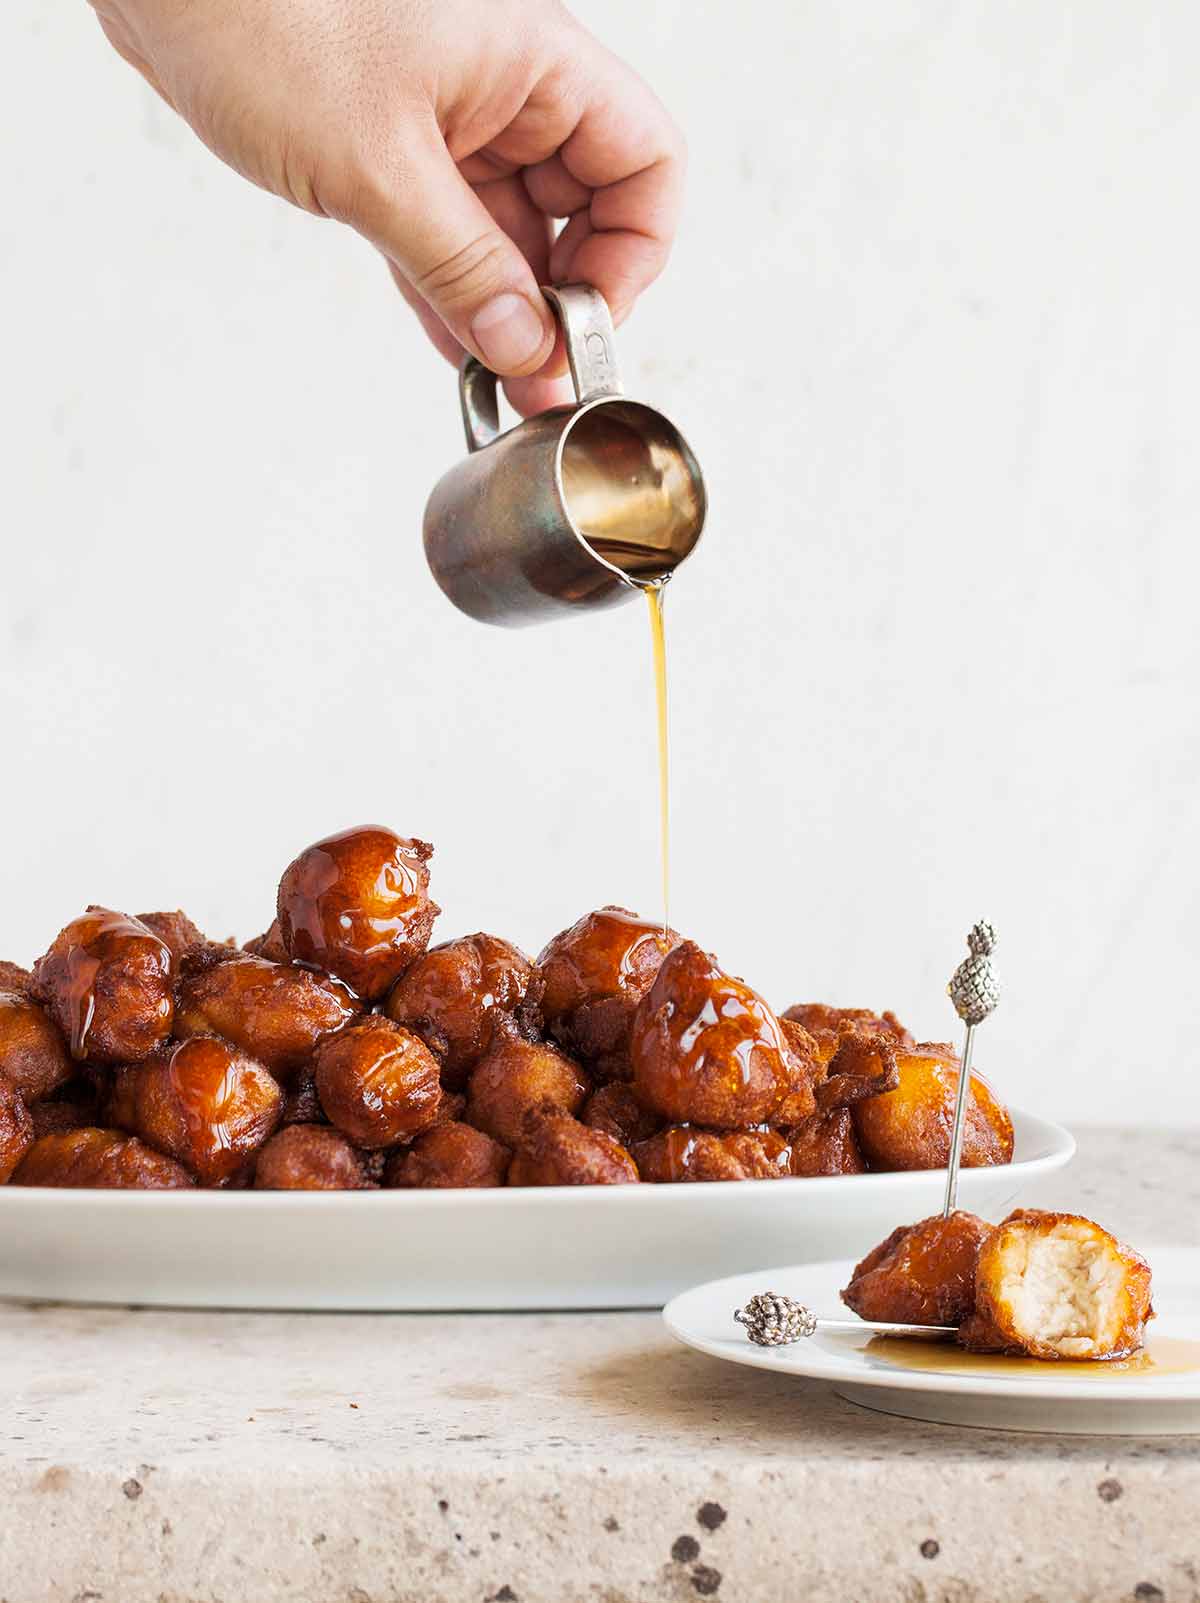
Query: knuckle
(470, 274)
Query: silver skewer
(773, 1320)
(975, 991)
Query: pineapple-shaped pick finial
(974, 988)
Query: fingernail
(508, 331)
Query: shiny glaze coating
(107, 983)
(451, 993)
(595, 974)
(825, 1144)
(357, 904)
(998, 1324)
(99, 1160)
(909, 1128)
(706, 1049)
(516, 1075)
(203, 1102)
(16, 1129)
(276, 1012)
(615, 1110)
(378, 1083)
(922, 1274)
(33, 1053)
(309, 1157)
(450, 1155)
(684, 1153)
(557, 1150)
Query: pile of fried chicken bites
(339, 1051)
(1039, 1285)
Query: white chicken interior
(1063, 1288)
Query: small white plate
(528, 1247)
(922, 1380)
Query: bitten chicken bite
(706, 1049)
(595, 974)
(309, 1157)
(357, 904)
(33, 1053)
(923, 1274)
(100, 1160)
(557, 1150)
(447, 1156)
(378, 1083)
(16, 1129)
(615, 1110)
(515, 1075)
(276, 1012)
(107, 982)
(1055, 1285)
(910, 1127)
(683, 1153)
(825, 1144)
(202, 1102)
(449, 996)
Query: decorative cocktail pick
(773, 1320)
(975, 991)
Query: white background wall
(932, 327)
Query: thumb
(446, 245)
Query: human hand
(450, 133)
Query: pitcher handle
(591, 354)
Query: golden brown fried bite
(357, 904)
(683, 1153)
(276, 1012)
(706, 1049)
(515, 1075)
(99, 1160)
(595, 974)
(557, 1150)
(909, 1128)
(863, 1064)
(33, 1052)
(451, 994)
(449, 1155)
(107, 983)
(1055, 1285)
(816, 1016)
(923, 1274)
(615, 1110)
(825, 1144)
(378, 1083)
(309, 1157)
(203, 1102)
(15, 978)
(177, 932)
(16, 1129)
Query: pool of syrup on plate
(1162, 1355)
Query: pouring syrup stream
(658, 645)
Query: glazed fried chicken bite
(706, 1049)
(923, 1274)
(595, 974)
(515, 1075)
(276, 1012)
(1055, 1285)
(15, 978)
(357, 904)
(451, 994)
(863, 1064)
(203, 1102)
(909, 1128)
(557, 1150)
(816, 1016)
(99, 1160)
(33, 1053)
(378, 1083)
(107, 982)
(310, 1157)
(448, 1156)
(684, 1153)
(16, 1129)
(825, 1144)
(615, 1110)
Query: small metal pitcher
(579, 507)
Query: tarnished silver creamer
(579, 507)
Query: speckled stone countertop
(160, 1457)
